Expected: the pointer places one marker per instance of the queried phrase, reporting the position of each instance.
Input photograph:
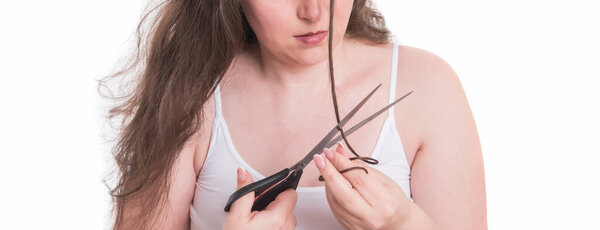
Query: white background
(530, 70)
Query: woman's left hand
(361, 200)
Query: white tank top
(217, 179)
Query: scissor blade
(321, 145)
(365, 121)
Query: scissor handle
(267, 189)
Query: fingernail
(329, 154)
(319, 161)
(241, 174)
(340, 147)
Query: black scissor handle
(266, 197)
(267, 189)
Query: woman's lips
(312, 38)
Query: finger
(376, 188)
(243, 178)
(340, 148)
(364, 183)
(243, 205)
(284, 203)
(340, 212)
(290, 223)
(339, 186)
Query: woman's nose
(311, 10)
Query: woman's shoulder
(414, 65)
(418, 70)
(200, 140)
(437, 93)
(419, 66)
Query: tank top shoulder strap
(393, 76)
(217, 95)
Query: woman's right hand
(279, 214)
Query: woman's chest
(269, 143)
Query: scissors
(268, 188)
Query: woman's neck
(283, 76)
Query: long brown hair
(184, 47)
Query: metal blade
(321, 145)
(365, 121)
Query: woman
(243, 85)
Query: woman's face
(284, 27)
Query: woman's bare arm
(447, 177)
(176, 213)
(181, 192)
